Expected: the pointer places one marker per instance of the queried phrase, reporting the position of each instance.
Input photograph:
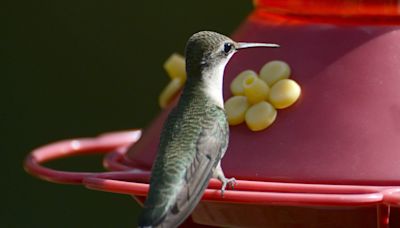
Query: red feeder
(331, 160)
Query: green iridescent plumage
(194, 138)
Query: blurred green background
(80, 68)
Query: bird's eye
(227, 47)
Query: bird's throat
(212, 85)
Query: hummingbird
(195, 135)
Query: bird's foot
(227, 182)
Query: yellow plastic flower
(169, 92)
(237, 83)
(235, 108)
(255, 89)
(284, 93)
(175, 67)
(260, 116)
(273, 71)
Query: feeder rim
(133, 181)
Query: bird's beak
(242, 45)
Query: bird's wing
(210, 146)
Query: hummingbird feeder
(330, 160)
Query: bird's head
(206, 51)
